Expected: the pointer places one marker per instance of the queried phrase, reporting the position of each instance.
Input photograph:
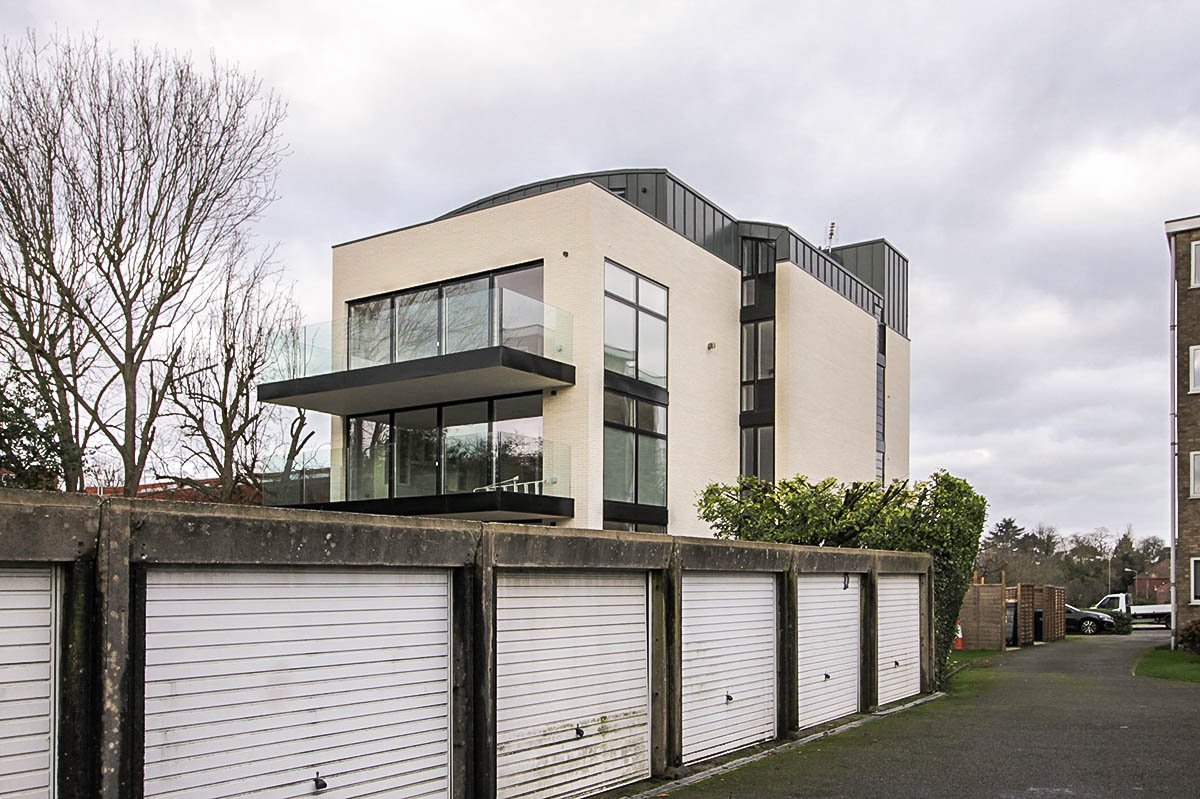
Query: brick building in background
(1183, 239)
(1154, 584)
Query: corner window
(483, 445)
(1193, 370)
(1194, 481)
(1196, 263)
(635, 450)
(635, 326)
(503, 307)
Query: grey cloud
(1018, 153)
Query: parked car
(1155, 614)
(1087, 622)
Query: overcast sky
(1022, 155)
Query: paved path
(1061, 720)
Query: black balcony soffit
(493, 506)
(493, 371)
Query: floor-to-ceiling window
(498, 308)
(368, 455)
(635, 410)
(454, 448)
(635, 326)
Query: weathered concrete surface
(46, 526)
(109, 545)
(1065, 719)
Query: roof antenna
(831, 236)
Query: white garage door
(729, 645)
(28, 669)
(829, 646)
(256, 680)
(572, 683)
(899, 637)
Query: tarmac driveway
(1061, 720)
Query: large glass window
(635, 450)
(1194, 481)
(517, 436)
(417, 452)
(620, 475)
(520, 318)
(466, 447)
(367, 457)
(620, 337)
(503, 307)
(1196, 263)
(635, 325)
(467, 316)
(416, 330)
(369, 333)
(758, 364)
(447, 449)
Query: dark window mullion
(392, 444)
(441, 453)
(490, 449)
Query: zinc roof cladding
(780, 232)
(663, 203)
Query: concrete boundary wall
(104, 548)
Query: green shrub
(1124, 622)
(1189, 637)
(942, 516)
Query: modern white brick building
(593, 351)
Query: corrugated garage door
(729, 645)
(256, 680)
(572, 683)
(829, 646)
(28, 669)
(899, 637)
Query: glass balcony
(422, 464)
(424, 325)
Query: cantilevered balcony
(423, 349)
(495, 476)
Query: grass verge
(1167, 664)
(961, 657)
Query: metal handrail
(515, 485)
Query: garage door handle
(827, 676)
(318, 783)
(578, 731)
(728, 698)
(897, 664)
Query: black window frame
(638, 433)
(441, 432)
(439, 286)
(638, 309)
(750, 458)
(760, 387)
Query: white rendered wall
(538, 228)
(825, 348)
(591, 225)
(702, 420)
(896, 406)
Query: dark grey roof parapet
(667, 199)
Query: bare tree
(125, 184)
(220, 422)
